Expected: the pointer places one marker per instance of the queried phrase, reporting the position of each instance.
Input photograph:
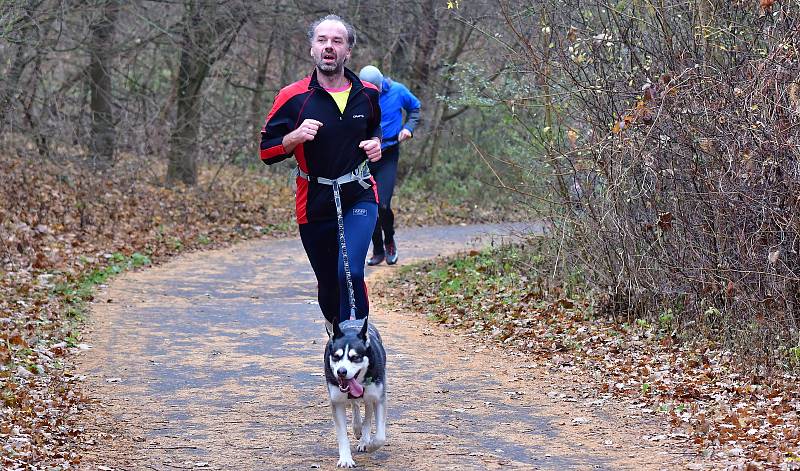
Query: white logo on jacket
(358, 116)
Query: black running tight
(384, 172)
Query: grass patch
(75, 294)
(481, 288)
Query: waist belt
(361, 175)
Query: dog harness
(361, 175)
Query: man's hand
(404, 134)
(373, 149)
(305, 132)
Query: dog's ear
(337, 332)
(363, 333)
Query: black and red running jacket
(334, 151)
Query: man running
(395, 98)
(330, 122)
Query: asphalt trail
(214, 361)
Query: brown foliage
(677, 186)
(58, 223)
(736, 421)
(698, 209)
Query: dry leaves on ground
(65, 229)
(737, 420)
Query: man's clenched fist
(304, 133)
(373, 149)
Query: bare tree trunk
(103, 132)
(182, 155)
(203, 31)
(192, 71)
(425, 44)
(10, 83)
(257, 104)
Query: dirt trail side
(214, 361)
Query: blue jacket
(395, 98)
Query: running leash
(337, 199)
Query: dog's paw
(363, 446)
(375, 444)
(346, 462)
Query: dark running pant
(384, 172)
(321, 241)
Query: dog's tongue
(356, 390)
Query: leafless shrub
(671, 135)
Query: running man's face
(329, 47)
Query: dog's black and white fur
(355, 370)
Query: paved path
(214, 361)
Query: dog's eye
(355, 358)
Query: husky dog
(355, 370)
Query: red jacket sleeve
(278, 124)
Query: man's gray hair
(351, 32)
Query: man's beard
(330, 69)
